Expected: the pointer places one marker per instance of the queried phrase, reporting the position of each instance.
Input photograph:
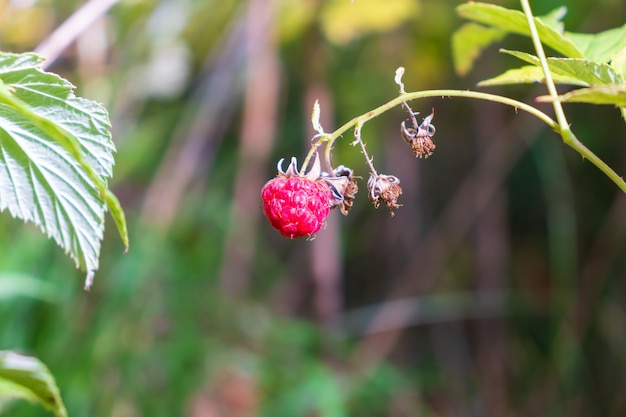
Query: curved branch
(566, 134)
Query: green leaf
(56, 155)
(606, 94)
(600, 47)
(28, 378)
(554, 19)
(618, 63)
(51, 97)
(468, 43)
(528, 74)
(583, 70)
(514, 21)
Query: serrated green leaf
(514, 21)
(468, 43)
(28, 378)
(583, 70)
(53, 98)
(606, 94)
(526, 75)
(56, 154)
(600, 47)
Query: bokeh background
(497, 289)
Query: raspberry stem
(357, 135)
(566, 134)
(330, 138)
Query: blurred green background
(498, 289)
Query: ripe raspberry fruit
(296, 205)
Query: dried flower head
(386, 189)
(343, 188)
(420, 137)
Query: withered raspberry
(296, 205)
(420, 137)
(343, 188)
(386, 189)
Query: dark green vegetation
(506, 261)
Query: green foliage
(595, 61)
(57, 155)
(610, 94)
(514, 21)
(27, 378)
(532, 237)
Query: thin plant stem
(357, 135)
(330, 138)
(558, 109)
(411, 114)
(441, 93)
(566, 134)
(569, 138)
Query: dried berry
(420, 137)
(343, 188)
(386, 189)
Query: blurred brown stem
(257, 137)
(53, 46)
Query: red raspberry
(296, 206)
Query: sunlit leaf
(514, 21)
(554, 19)
(28, 378)
(618, 63)
(600, 47)
(584, 70)
(606, 94)
(343, 21)
(468, 43)
(528, 74)
(56, 154)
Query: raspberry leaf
(549, 27)
(469, 41)
(28, 378)
(56, 156)
(526, 75)
(573, 71)
(603, 46)
(602, 94)
(584, 70)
